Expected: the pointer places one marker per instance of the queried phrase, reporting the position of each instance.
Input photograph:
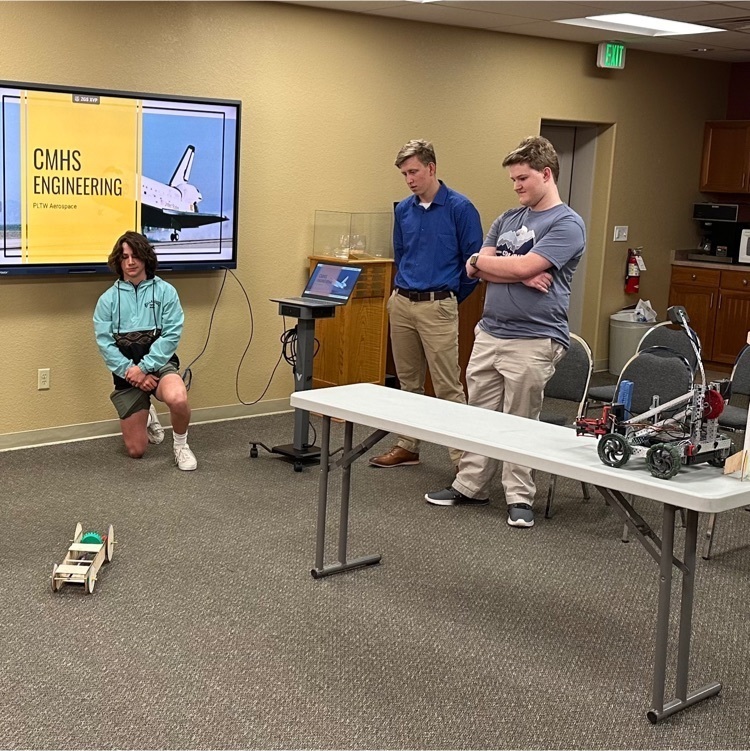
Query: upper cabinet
(726, 157)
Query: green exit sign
(611, 55)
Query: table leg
(662, 551)
(320, 540)
(709, 536)
(349, 456)
(662, 618)
(346, 485)
(660, 710)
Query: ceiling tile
(537, 19)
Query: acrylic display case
(353, 234)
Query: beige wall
(328, 99)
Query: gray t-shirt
(515, 311)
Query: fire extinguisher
(633, 268)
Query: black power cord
(187, 374)
(288, 348)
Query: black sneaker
(451, 497)
(520, 515)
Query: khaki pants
(506, 375)
(426, 334)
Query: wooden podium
(354, 344)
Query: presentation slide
(79, 169)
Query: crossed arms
(529, 269)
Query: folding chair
(667, 335)
(570, 383)
(733, 417)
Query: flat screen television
(78, 167)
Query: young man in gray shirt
(527, 259)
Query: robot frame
(682, 431)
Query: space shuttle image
(341, 284)
(174, 205)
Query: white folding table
(549, 448)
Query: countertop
(680, 258)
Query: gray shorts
(131, 400)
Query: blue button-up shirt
(431, 246)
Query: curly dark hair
(142, 250)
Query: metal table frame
(392, 417)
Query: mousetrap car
(681, 431)
(85, 556)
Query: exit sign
(611, 55)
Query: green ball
(91, 538)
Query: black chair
(570, 383)
(733, 417)
(657, 374)
(670, 335)
(667, 335)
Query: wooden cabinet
(725, 167)
(696, 289)
(718, 304)
(354, 344)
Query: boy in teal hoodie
(138, 324)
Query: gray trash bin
(624, 336)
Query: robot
(682, 431)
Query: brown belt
(414, 296)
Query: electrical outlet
(42, 383)
(621, 234)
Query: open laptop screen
(332, 282)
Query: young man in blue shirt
(138, 324)
(435, 232)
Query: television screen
(78, 167)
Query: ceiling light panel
(632, 23)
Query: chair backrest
(670, 335)
(572, 374)
(741, 372)
(656, 371)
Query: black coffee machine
(721, 226)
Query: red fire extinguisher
(633, 268)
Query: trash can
(624, 335)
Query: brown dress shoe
(396, 457)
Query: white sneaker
(153, 427)
(184, 458)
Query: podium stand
(300, 451)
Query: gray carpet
(207, 631)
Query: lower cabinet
(718, 305)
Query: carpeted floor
(207, 631)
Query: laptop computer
(329, 284)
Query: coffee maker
(721, 229)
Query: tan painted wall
(328, 99)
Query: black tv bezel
(86, 269)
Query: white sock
(180, 439)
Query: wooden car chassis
(83, 561)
